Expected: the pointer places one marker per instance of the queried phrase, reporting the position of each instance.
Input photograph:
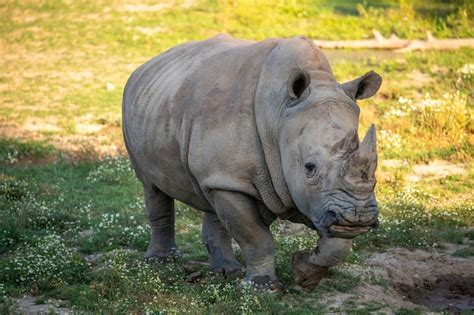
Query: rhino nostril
(330, 218)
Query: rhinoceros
(248, 132)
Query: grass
(13, 150)
(73, 225)
(73, 210)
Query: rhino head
(329, 173)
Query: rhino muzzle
(347, 223)
(351, 209)
(347, 216)
(337, 225)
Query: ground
(73, 228)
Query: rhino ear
(298, 82)
(364, 86)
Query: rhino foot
(156, 254)
(226, 268)
(307, 275)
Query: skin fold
(248, 132)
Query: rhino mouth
(345, 231)
(332, 226)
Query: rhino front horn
(359, 170)
(368, 147)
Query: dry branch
(400, 45)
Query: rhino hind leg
(219, 245)
(239, 214)
(160, 213)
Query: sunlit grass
(62, 58)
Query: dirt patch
(28, 305)
(434, 170)
(41, 125)
(447, 292)
(145, 7)
(435, 280)
(391, 163)
(402, 278)
(93, 140)
(186, 4)
(150, 30)
(87, 128)
(419, 79)
(372, 290)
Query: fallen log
(399, 45)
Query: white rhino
(248, 132)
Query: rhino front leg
(239, 214)
(219, 245)
(160, 213)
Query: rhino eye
(310, 169)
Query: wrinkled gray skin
(247, 132)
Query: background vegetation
(72, 221)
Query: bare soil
(407, 278)
(446, 292)
(434, 170)
(28, 305)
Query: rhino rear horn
(348, 144)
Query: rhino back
(188, 118)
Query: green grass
(51, 206)
(466, 252)
(73, 226)
(13, 150)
